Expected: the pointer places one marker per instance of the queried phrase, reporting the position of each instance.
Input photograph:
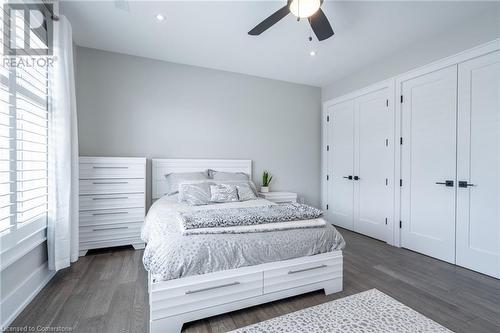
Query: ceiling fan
(309, 9)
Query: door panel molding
(429, 157)
(373, 164)
(340, 188)
(478, 163)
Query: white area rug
(368, 312)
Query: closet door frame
(395, 83)
(387, 84)
(427, 69)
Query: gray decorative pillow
(245, 192)
(195, 193)
(223, 193)
(219, 175)
(175, 178)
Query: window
(23, 136)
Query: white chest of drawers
(112, 202)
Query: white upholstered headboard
(161, 167)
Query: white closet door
(478, 205)
(428, 157)
(372, 164)
(340, 187)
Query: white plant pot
(264, 189)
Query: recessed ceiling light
(160, 17)
(312, 53)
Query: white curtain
(62, 231)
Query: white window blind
(23, 137)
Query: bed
(198, 276)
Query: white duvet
(169, 254)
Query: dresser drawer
(302, 274)
(111, 216)
(111, 201)
(109, 232)
(107, 186)
(111, 170)
(187, 297)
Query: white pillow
(223, 193)
(175, 178)
(237, 182)
(194, 193)
(231, 176)
(245, 192)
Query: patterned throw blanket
(248, 216)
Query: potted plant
(266, 180)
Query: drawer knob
(307, 269)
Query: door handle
(447, 183)
(464, 184)
(356, 178)
(348, 177)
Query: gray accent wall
(132, 106)
(478, 30)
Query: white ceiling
(214, 34)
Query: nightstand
(279, 197)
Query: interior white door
(373, 164)
(478, 197)
(428, 161)
(341, 145)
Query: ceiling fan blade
(270, 21)
(320, 25)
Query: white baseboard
(15, 302)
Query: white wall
(21, 281)
(132, 106)
(479, 30)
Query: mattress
(170, 255)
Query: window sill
(27, 239)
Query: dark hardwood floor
(107, 292)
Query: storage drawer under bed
(181, 300)
(186, 296)
(292, 276)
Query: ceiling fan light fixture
(304, 8)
